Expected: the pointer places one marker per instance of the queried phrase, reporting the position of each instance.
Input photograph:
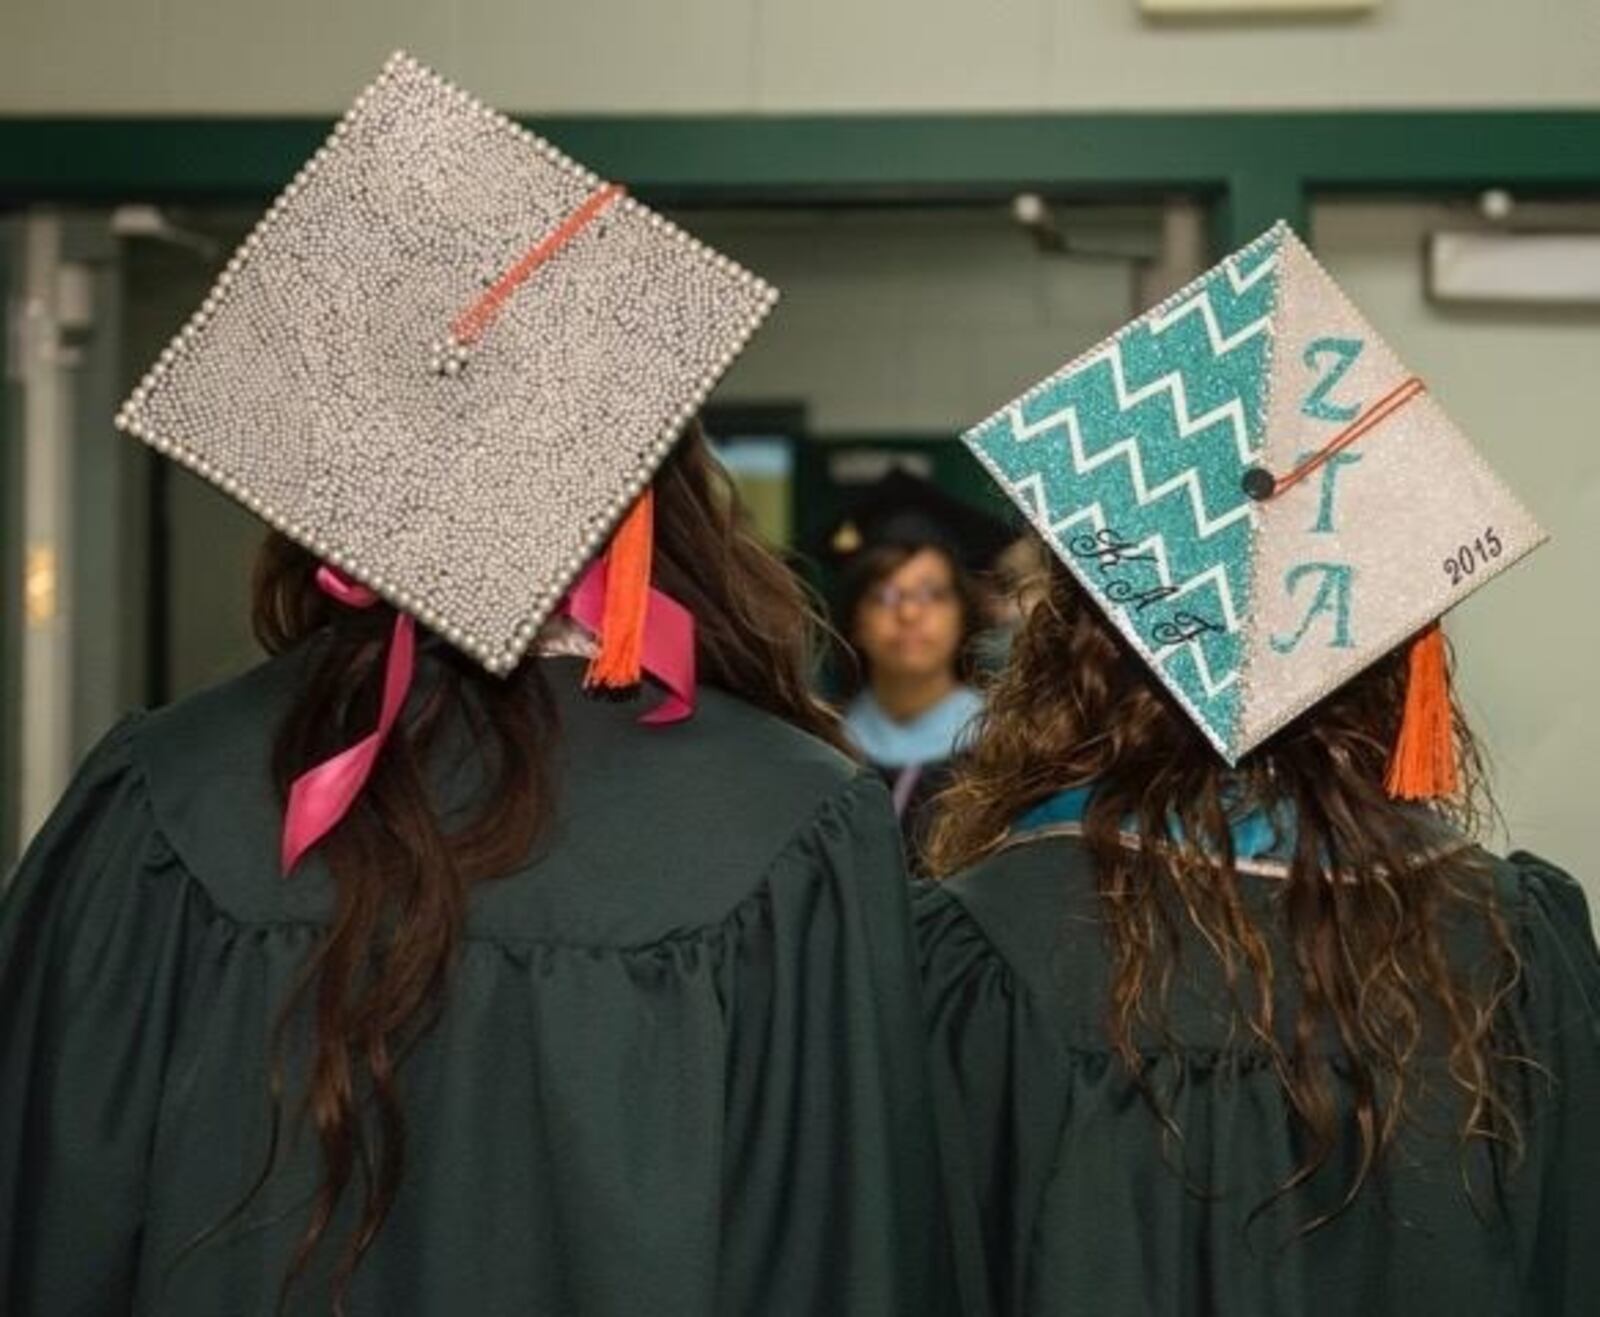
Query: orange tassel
(1424, 762)
(619, 663)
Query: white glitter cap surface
(446, 358)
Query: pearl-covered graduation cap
(1256, 490)
(447, 360)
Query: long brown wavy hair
(1370, 883)
(376, 979)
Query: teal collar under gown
(677, 1070)
(1066, 1200)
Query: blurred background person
(911, 602)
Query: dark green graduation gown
(1066, 1200)
(677, 1069)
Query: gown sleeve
(92, 930)
(831, 1184)
(1557, 1004)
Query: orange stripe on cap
(1375, 415)
(469, 326)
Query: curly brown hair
(1369, 887)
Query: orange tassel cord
(619, 663)
(1423, 766)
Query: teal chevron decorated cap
(1256, 490)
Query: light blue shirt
(931, 736)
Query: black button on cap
(1258, 482)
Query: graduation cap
(1264, 500)
(901, 508)
(448, 362)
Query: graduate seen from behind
(910, 606)
(1229, 1012)
(516, 940)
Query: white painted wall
(309, 56)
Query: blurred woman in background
(910, 605)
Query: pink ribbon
(668, 640)
(321, 796)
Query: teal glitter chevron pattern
(1130, 462)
